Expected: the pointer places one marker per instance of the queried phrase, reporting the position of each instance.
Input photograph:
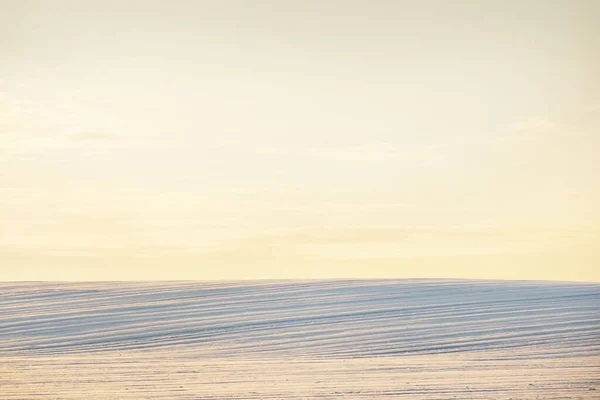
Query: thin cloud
(93, 136)
(371, 153)
(531, 129)
(378, 152)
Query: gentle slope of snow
(281, 339)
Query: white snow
(416, 339)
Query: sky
(145, 140)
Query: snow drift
(312, 318)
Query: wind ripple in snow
(326, 319)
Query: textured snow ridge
(413, 339)
(319, 319)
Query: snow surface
(415, 339)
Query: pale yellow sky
(299, 139)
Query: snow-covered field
(414, 339)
